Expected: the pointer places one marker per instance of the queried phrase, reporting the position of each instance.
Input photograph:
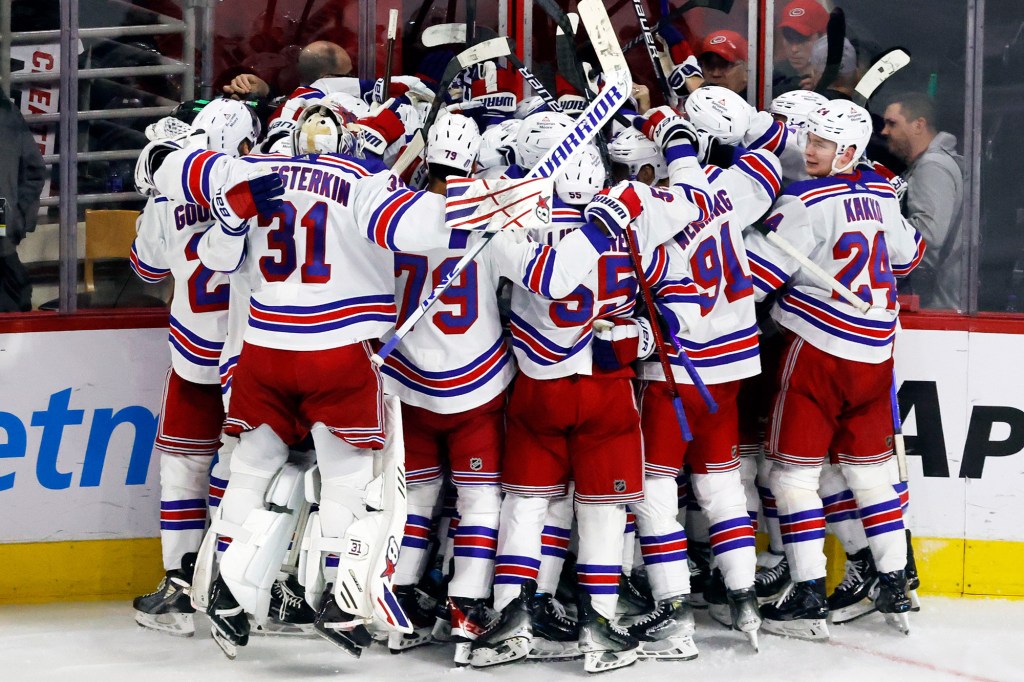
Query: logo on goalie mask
(619, 485)
(476, 463)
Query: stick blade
(884, 67)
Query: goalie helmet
(498, 145)
(844, 123)
(796, 106)
(538, 134)
(632, 148)
(321, 129)
(453, 141)
(224, 125)
(719, 112)
(581, 178)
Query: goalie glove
(690, 68)
(259, 194)
(153, 154)
(167, 128)
(663, 126)
(614, 209)
(621, 340)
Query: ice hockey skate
(230, 623)
(853, 597)
(169, 609)
(716, 598)
(508, 639)
(555, 635)
(336, 627)
(632, 600)
(801, 612)
(289, 613)
(892, 600)
(771, 577)
(744, 614)
(470, 618)
(604, 645)
(667, 632)
(913, 579)
(420, 607)
(699, 561)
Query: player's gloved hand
(897, 181)
(235, 205)
(621, 340)
(377, 132)
(153, 154)
(663, 126)
(690, 68)
(409, 86)
(760, 123)
(613, 209)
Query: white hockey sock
(518, 556)
(600, 558)
(769, 510)
(412, 559)
(748, 476)
(448, 526)
(841, 515)
(801, 519)
(554, 543)
(732, 535)
(662, 538)
(221, 471)
(476, 541)
(880, 513)
(184, 482)
(629, 543)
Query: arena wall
(79, 481)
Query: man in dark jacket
(22, 175)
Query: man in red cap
(803, 22)
(723, 58)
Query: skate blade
(338, 639)
(754, 641)
(900, 621)
(462, 653)
(227, 646)
(399, 642)
(915, 601)
(176, 624)
(546, 650)
(810, 629)
(275, 629)
(603, 661)
(677, 648)
(852, 612)
(512, 649)
(721, 614)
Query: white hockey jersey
(322, 265)
(167, 243)
(456, 357)
(706, 297)
(851, 226)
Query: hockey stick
(724, 6)
(836, 35)
(652, 51)
(481, 52)
(392, 34)
(588, 125)
(443, 34)
(899, 445)
(884, 67)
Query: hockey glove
(234, 205)
(612, 210)
(688, 69)
(663, 126)
(897, 181)
(410, 86)
(376, 133)
(153, 154)
(621, 340)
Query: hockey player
(706, 298)
(835, 380)
(192, 414)
(558, 427)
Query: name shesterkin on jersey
(721, 204)
(317, 181)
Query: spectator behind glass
(723, 59)
(840, 87)
(934, 200)
(803, 22)
(22, 175)
(320, 59)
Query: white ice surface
(951, 639)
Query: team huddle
(647, 331)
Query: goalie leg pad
(257, 458)
(732, 536)
(880, 513)
(801, 518)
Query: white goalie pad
(253, 560)
(493, 205)
(367, 562)
(206, 565)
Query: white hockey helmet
(498, 145)
(321, 130)
(719, 112)
(844, 123)
(224, 125)
(453, 141)
(632, 148)
(529, 105)
(581, 178)
(538, 134)
(796, 106)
